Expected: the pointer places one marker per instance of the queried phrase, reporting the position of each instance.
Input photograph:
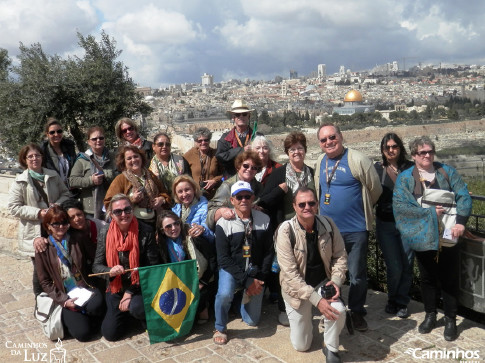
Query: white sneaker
(283, 319)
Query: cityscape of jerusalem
(388, 91)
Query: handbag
(48, 313)
(433, 197)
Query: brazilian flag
(171, 296)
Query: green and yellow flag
(171, 296)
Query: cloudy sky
(176, 41)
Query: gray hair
(204, 132)
(420, 141)
(260, 139)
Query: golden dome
(353, 96)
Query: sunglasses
(124, 131)
(118, 212)
(310, 204)
(247, 166)
(53, 132)
(393, 147)
(168, 227)
(325, 139)
(203, 140)
(34, 156)
(100, 138)
(241, 114)
(245, 197)
(59, 224)
(163, 144)
(424, 152)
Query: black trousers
(116, 322)
(84, 325)
(439, 277)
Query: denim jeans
(399, 262)
(250, 312)
(356, 247)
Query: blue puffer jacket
(198, 214)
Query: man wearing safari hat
(237, 139)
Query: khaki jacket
(25, 202)
(293, 261)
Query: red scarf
(116, 243)
(232, 138)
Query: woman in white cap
(237, 140)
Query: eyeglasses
(241, 114)
(124, 131)
(94, 139)
(52, 132)
(34, 156)
(247, 166)
(389, 147)
(163, 144)
(245, 197)
(296, 150)
(168, 227)
(59, 224)
(118, 212)
(424, 152)
(325, 139)
(203, 140)
(310, 204)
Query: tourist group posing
(250, 222)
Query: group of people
(247, 220)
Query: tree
(94, 89)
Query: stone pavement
(388, 338)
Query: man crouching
(311, 254)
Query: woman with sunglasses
(176, 244)
(420, 229)
(191, 207)
(277, 196)
(145, 191)
(30, 196)
(247, 164)
(264, 149)
(398, 256)
(203, 163)
(61, 269)
(123, 245)
(165, 164)
(93, 172)
(59, 152)
(127, 132)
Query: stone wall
(8, 223)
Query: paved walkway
(387, 340)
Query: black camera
(328, 291)
(202, 184)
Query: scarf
(168, 173)
(37, 176)
(234, 139)
(116, 243)
(150, 192)
(185, 211)
(138, 142)
(294, 181)
(99, 191)
(176, 249)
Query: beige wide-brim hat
(240, 106)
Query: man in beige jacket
(311, 254)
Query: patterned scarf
(146, 182)
(185, 211)
(295, 181)
(116, 243)
(168, 173)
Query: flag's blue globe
(172, 301)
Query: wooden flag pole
(106, 273)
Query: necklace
(394, 170)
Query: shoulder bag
(48, 313)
